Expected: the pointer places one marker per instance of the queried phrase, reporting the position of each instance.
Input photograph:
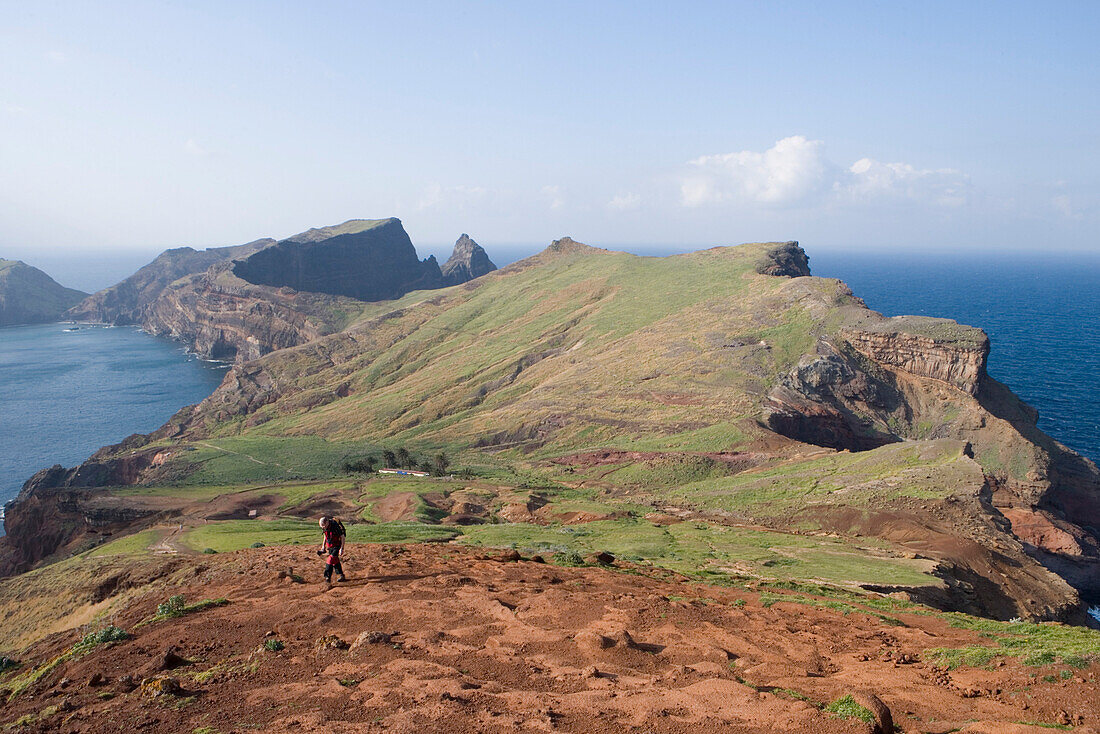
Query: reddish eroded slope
(444, 638)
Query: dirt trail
(446, 638)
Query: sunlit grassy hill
(574, 347)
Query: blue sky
(128, 127)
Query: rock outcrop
(365, 259)
(467, 261)
(240, 303)
(126, 302)
(29, 296)
(785, 259)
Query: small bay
(65, 393)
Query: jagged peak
(468, 260)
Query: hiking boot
(341, 578)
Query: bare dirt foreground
(427, 638)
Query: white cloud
(787, 173)
(57, 57)
(625, 202)
(870, 179)
(1077, 206)
(795, 172)
(554, 195)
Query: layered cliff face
(681, 360)
(29, 296)
(365, 259)
(926, 347)
(221, 316)
(127, 301)
(240, 303)
(467, 261)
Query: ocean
(67, 393)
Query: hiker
(333, 545)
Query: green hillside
(575, 347)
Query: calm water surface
(64, 394)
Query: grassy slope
(604, 347)
(572, 350)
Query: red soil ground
(471, 642)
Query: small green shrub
(258, 544)
(738, 602)
(273, 645)
(171, 608)
(209, 551)
(847, 708)
(100, 637)
(176, 606)
(568, 558)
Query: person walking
(333, 546)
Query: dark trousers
(333, 565)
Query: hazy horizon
(93, 271)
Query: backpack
(333, 532)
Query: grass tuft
(847, 708)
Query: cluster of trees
(399, 459)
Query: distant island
(29, 296)
(245, 301)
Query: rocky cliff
(365, 259)
(29, 296)
(467, 261)
(240, 303)
(927, 347)
(127, 301)
(221, 316)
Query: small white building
(404, 472)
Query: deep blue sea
(64, 394)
